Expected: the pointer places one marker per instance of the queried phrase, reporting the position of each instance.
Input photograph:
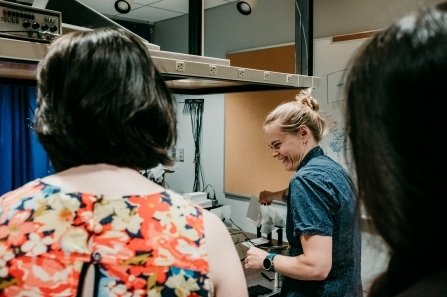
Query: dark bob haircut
(395, 90)
(101, 100)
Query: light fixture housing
(245, 7)
(122, 6)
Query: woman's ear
(302, 131)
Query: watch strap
(269, 258)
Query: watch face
(267, 263)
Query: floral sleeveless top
(150, 245)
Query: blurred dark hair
(395, 89)
(101, 100)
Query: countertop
(255, 277)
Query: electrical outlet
(181, 155)
(241, 72)
(180, 66)
(289, 78)
(266, 75)
(213, 69)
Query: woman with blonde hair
(322, 229)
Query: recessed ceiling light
(245, 7)
(122, 6)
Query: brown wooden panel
(353, 36)
(249, 166)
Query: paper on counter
(254, 211)
(267, 215)
(255, 242)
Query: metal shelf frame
(183, 73)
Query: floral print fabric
(150, 245)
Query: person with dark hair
(396, 86)
(98, 227)
(322, 228)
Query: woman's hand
(254, 258)
(266, 197)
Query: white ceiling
(149, 10)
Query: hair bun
(305, 98)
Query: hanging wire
(194, 107)
(211, 195)
(29, 120)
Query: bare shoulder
(223, 259)
(213, 223)
(103, 179)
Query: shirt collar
(314, 152)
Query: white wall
(212, 145)
(212, 157)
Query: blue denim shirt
(322, 201)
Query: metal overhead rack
(183, 73)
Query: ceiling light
(122, 6)
(245, 7)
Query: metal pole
(304, 37)
(195, 41)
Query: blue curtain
(22, 157)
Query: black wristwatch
(268, 262)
